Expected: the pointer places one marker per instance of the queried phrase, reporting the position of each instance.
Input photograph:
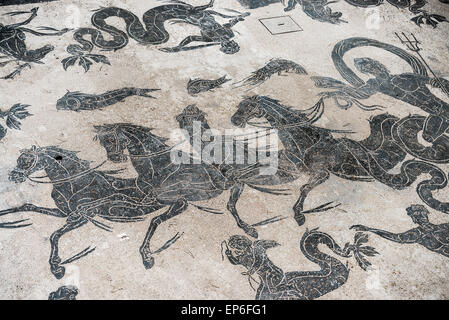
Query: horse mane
(105, 128)
(72, 155)
(264, 100)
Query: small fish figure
(273, 66)
(77, 101)
(196, 86)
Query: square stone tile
(279, 25)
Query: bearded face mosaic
(321, 159)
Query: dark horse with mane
(178, 183)
(82, 193)
(318, 153)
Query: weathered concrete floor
(193, 267)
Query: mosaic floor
(236, 149)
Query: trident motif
(413, 45)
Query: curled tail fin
(269, 190)
(16, 113)
(207, 209)
(361, 251)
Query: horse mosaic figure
(81, 194)
(177, 184)
(316, 152)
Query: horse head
(138, 140)
(36, 159)
(113, 140)
(278, 115)
(28, 162)
(247, 110)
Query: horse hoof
(300, 219)
(252, 232)
(58, 272)
(148, 263)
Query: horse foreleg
(236, 192)
(316, 179)
(55, 212)
(175, 209)
(182, 46)
(55, 32)
(73, 222)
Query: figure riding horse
(315, 151)
(82, 193)
(173, 183)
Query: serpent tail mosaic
(152, 31)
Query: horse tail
(311, 239)
(345, 45)
(277, 192)
(409, 173)
(333, 273)
(208, 210)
